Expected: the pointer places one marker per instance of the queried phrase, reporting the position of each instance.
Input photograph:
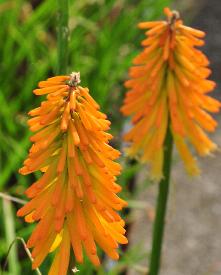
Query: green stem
(10, 236)
(62, 35)
(159, 223)
(25, 248)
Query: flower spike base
(74, 201)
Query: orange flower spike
(169, 83)
(71, 149)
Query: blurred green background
(102, 42)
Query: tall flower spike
(169, 85)
(75, 200)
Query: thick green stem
(62, 36)
(161, 207)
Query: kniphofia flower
(74, 201)
(169, 89)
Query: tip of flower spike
(74, 79)
(172, 15)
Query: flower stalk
(62, 35)
(168, 102)
(158, 230)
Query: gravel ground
(193, 225)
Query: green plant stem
(62, 35)
(161, 207)
(12, 198)
(10, 236)
(25, 248)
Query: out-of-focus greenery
(103, 40)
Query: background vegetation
(103, 40)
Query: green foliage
(103, 40)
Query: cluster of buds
(75, 201)
(169, 89)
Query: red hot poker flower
(169, 83)
(75, 201)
